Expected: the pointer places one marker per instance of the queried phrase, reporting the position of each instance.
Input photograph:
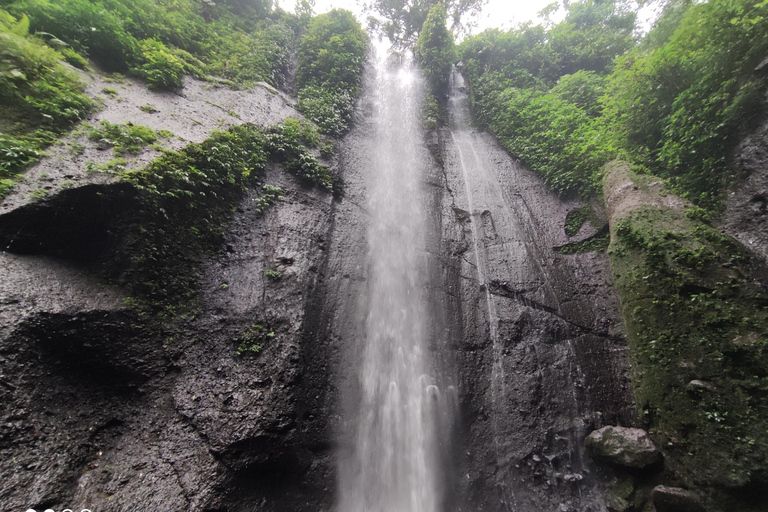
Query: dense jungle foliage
(402, 20)
(332, 55)
(568, 97)
(237, 42)
(435, 50)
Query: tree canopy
(403, 19)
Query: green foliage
(16, 154)
(187, 198)
(676, 103)
(332, 53)
(680, 103)
(435, 49)
(555, 138)
(583, 89)
(539, 90)
(269, 194)
(124, 138)
(693, 312)
(332, 111)
(330, 65)
(186, 201)
(73, 58)
(576, 219)
(285, 144)
(161, 40)
(39, 98)
(33, 83)
(86, 26)
(302, 132)
(404, 19)
(596, 243)
(149, 109)
(253, 338)
(111, 92)
(159, 67)
(272, 274)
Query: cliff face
(236, 405)
(746, 206)
(111, 409)
(693, 302)
(243, 402)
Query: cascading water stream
(461, 139)
(392, 466)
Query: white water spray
(393, 463)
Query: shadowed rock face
(107, 410)
(746, 207)
(536, 336)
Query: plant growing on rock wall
(331, 60)
(253, 338)
(269, 194)
(159, 67)
(435, 49)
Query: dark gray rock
(696, 385)
(675, 499)
(628, 447)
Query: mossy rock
(627, 447)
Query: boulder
(628, 447)
(675, 499)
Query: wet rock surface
(628, 447)
(190, 116)
(675, 499)
(746, 207)
(109, 410)
(536, 336)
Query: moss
(596, 243)
(575, 220)
(125, 138)
(187, 199)
(692, 313)
(253, 338)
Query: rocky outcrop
(108, 407)
(746, 206)
(627, 447)
(675, 499)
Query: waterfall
(392, 463)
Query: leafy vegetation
(596, 243)
(161, 40)
(561, 100)
(402, 20)
(187, 198)
(696, 324)
(253, 338)
(435, 49)
(680, 102)
(331, 59)
(123, 138)
(539, 90)
(39, 97)
(269, 194)
(289, 144)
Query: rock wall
(111, 410)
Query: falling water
(462, 139)
(392, 466)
